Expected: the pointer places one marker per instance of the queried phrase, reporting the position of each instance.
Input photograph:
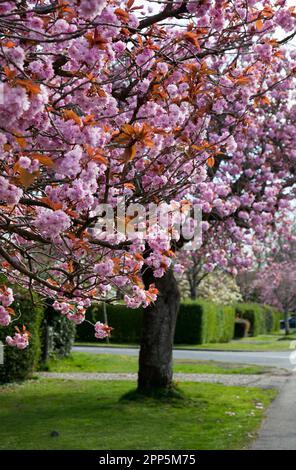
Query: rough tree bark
(156, 352)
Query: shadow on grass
(173, 396)
(287, 338)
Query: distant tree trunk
(156, 352)
(195, 278)
(191, 279)
(286, 318)
(193, 294)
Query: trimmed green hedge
(62, 333)
(263, 319)
(19, 364)
(277, 316)
(127, 323)
(204, 322)
(241, 328)
(198, 322)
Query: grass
(86, 362)
(273, 342)
(257, 343)
(59, 414)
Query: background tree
(275, 281)
(220, 288)
(277, 286)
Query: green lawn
(257, 343)
(85, 362)
(90, 415)
(274, 342)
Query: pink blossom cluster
(91, 8)
(6, 299)
(102, 331)
(6, 296)
(78, 316)
(19, 340)
(62, 307)
(141, 297)
(9, 193)
(75, 313)
(27, 164)
(52, 223)
(5, 317)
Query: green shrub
(198, 322)
(228, 317)
(272, 318)
(241, 328)
(19, 364)
(58, 331)
(254, 314)
(190, 326)
(277, 317)
(263, 318)
(127, 323)
(268, 319)
(204, 322)
(85, 331)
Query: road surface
(271, 359)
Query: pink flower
(172, 90)
(144, 59)
(78, 316)
(24, 162)
(52, 223)
(70, 164)
(119, 47)
(28, 164)
(62, 307)
(19, 340)
(102, 331)
(6, 296)
(104, 269)
(162, 67)
(91, 8)
(284, 19)
(8, 192)
(5, 318)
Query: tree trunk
(286, 318)
(192, 285)
(193, 295)
(156, 352)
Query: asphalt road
(272, 359)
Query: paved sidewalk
(278, 431)
(260, 380)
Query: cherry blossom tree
(275, 279)
(277, 286)
(174, 103)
